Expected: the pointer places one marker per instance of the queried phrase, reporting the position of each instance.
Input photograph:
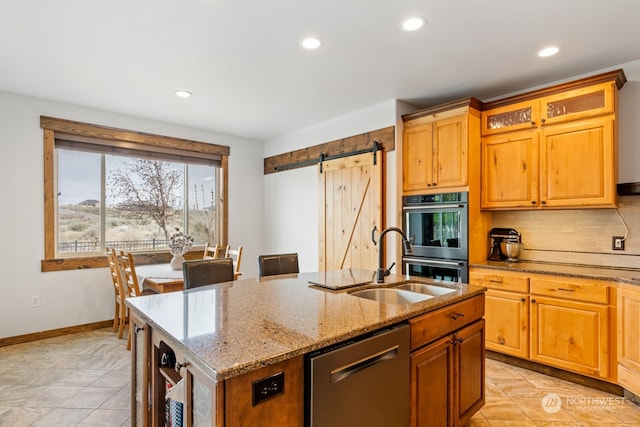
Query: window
(107, 187)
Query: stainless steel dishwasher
(362, 382)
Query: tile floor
(83, 379)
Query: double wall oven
(437, 228)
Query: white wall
(70, 298)
(291, 197)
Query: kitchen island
(223, 338)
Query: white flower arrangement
(180, 243)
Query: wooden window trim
(124, 138)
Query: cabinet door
(577, 164)
(469, 375)
(417, 158)
(576, 104)
(140, 354)
(201, 394)
(507, 322)
(510, 171)
(432, 384)
(518, 116)
(628, 343)
(570, 335)
(451, 152)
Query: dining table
(161, 278)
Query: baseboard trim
(558, 373)
(54, 333)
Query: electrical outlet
(617, 243)
(35, 301)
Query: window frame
(54, 127)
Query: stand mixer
(500, 239)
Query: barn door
(350, 206)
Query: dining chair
(236, 256)
(204, 272)
(211, 252)
(269, 265)
(120, 314)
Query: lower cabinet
(628, 343)
(559, 321)
(140, 344)
(447, 374)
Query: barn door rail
(374, 149)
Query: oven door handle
(423, 207)
(432, 261)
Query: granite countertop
(623, 275)
(237, 327)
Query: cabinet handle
(179, 366)
(543, 120)
(137, 329)
(533, 202)
(533, 122)
(544, 202)
(495, 280)
(523, 300)
(533, 301)
(428, 184)
(435, 183)
(457, 340)
(500, 340)
(566, 290)
(456, 316)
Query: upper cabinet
(553, 148)
(436, 150)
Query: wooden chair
(120, 314)
(130, 279)
(204, 272)
(269, 265)
(211, 252)
(236, 256)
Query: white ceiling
(249, 76)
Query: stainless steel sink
(423, 288)
(392, 296)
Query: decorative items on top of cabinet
(440, 147)
(558, 321)
(447, 364)
(552, 148)
(628, 343)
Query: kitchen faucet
(381, 272)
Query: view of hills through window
(132, 203)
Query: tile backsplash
(578, 236)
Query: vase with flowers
(179, 244)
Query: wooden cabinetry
(140, 345)
(437, 150)
(556, 149)
(447, 371)
(628, 343)
(506, 311)
(557, 321)
(200, 392)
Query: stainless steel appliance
(437, 228)
(360, 383)
(440, 269)
(498, 237)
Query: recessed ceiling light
(548, 51)
(311, 43)
(183, 94)
(412, 24)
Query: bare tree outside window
(149, 188)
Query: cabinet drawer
(498, 281)
(573, 289)
(439, 323)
